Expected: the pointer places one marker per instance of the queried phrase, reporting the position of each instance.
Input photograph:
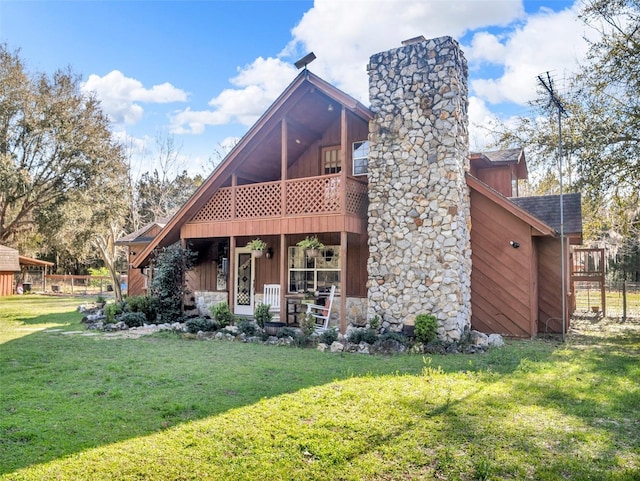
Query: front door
(244, 285)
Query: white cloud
(547, 41)
(118, 95)
(258, 85)
(344, 35)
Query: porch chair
(272, 297)
(321, 314)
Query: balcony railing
(311, 195)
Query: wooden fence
(89, 285)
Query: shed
(9, 265)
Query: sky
(202, 71)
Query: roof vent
(413, 40)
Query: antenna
(553, 98)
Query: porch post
(343, 282)
(284, 259)
(346, 166)
(231, 277)
(283, 169)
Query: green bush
(262, 314)
(307, 324)
(148, 305)
(222, 314)
(288, 332)
(362, 335)
(329, 336)
(200, 324)
(170, 265)
(426, 328)
(132, 319)
(247, 327)
(395, 336)
(112, 310)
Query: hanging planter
(311, 245)
(257, 246)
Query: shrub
(262, 314)
(132, 319)
(329, 336)
(374, 323)
(426, 328)
(171, 263)
(222, 314)
(362, 335)
(395, 336)
(200, 324)
(288, 332)
(148, 305)
(112, 310)
(307, 324)
(247, 327)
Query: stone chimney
(419, 213)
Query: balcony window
(360, 157)
(331, 160)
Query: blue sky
(203, 71)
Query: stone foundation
(419, 211)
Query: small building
(9, 265)
(137, 278)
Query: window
(514, 186)
(314, 273)
(331, 160)
(360, 157)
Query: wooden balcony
(312, 204)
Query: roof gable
(308, 106)
(537, 224)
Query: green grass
(76, 407)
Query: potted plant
(263, 317)
(311, 246)
(308, 298)
(257, 246)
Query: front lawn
(80, 407)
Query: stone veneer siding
(419, 212)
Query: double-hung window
(360, 157)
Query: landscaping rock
(336, 347)
(478, 338)
(495, 340)
(322, 347)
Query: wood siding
(550, 305)
(6, 283)
(503, 296)
(135, 283)
(499, 178)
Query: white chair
(321, 314)
(272, 297)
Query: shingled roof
(547, 209)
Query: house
(137, 279)
(410, 221)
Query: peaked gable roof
(139, 235)
(547, 209)
(497, 158)
(257, 156)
